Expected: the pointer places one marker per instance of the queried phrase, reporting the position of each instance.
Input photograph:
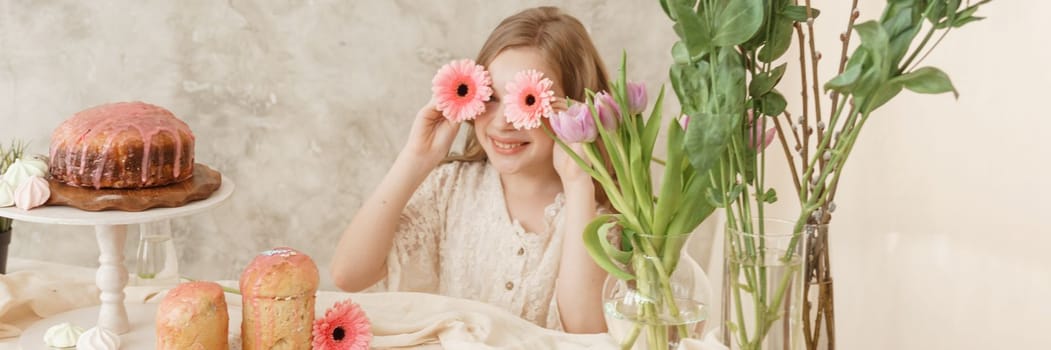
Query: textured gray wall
(303, 104)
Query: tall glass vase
(818, 305)
(660, 307)
(763, 285)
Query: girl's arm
(361, 255)
(579, 287)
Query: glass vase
(157, 263)
(763, 285)
(662, 305)
(818, 304)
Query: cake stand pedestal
(110, 232)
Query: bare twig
(788, 154)
(795, 135)
(804, 152)
(845, 38)
(815, 56)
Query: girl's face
(514, 151)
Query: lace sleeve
(413, 262)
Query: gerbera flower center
(461, 90)
(338, 333)
(530, 100)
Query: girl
(501, 224)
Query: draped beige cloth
(34, 290)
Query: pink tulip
(636, 98)
(608, 110)
(753, 129)
(684, 121)
(575, 124)
(767, 138)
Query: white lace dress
(456, 238)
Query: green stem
(916, 52)
(823, 145)
(632, 337)
(742, 332)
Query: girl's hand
(569, 171)
(567, 168)
(431, 136)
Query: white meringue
(32, 193)
(7, 194)
(23, 169)
(63, 335)
(98, 338)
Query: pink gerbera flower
(344, 327)
(461, 89)
(529, 98)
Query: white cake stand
(111, 231)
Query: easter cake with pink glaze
(278, 291)
(193, 316)
(125, 145)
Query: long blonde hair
(562, 41)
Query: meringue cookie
(98, 339)
(63, 336)
(33, 193)
(22, 169)
(7, 194)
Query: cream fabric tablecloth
(33, 290)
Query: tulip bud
(575, 125)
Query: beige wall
(302, 104)
(939, 238)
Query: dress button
(509, 285)
(521, 251)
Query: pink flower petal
(344, 327)
(636, 98)
(461, 89)
(608, 110)
(575, 124)
(528, 99)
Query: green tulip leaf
(621, 256)
(594, 246)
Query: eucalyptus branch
(919, 48)
(931, 49)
